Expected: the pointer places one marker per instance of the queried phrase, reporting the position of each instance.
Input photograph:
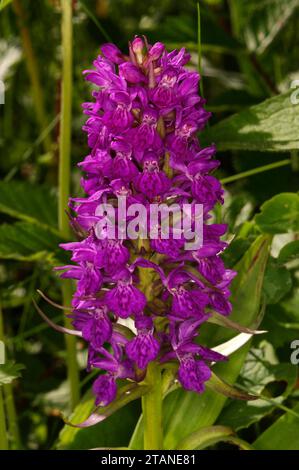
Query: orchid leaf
(221, 320)
(206, 437)
(218, 385)
(125, 395)
(101, 434)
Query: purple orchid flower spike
(142, 125)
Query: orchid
(142, 132)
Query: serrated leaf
(25, 201)
(269, 126)
(280, 214)
(28, 242)
(9, 372)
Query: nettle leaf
(261, 368)
(102, 434)
(280, 214)
(28, 242)
(187, 412)
(25, 201)
(282, 435)
(269, 126)
(277, 283)
(262, 375)
(289, 252)
(9, 372)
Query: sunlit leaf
(269, 126)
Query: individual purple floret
(142, 127)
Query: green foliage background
(249, 63)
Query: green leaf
(187, 412)
(9, 372)
(4, 3)
(35, 204)
(269, 126)
(261, 374)
(280, 214)
(103, 434)
(289, 252)
(262, 367)
(282, 435)
(125, 395)
(277, 283)
(218, 385)
(27, 242)
(205, 437)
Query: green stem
(64, 182)
(12, 419)
(3, 431)
(32, 67)
(199, 49)
(255, 171)
(3, 434)
(152, 409)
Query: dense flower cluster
(141, 131)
